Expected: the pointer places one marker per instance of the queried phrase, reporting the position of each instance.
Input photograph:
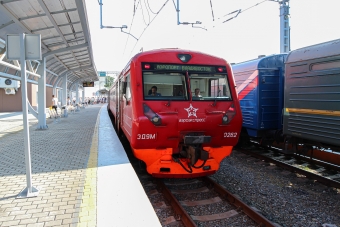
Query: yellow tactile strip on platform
(88, 207)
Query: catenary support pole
(284, 27)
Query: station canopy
(65, 37)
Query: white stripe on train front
(191, 120)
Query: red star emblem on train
(191, 111)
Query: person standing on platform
(55, 104)
(68, 101)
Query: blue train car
(260, 88)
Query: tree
(108, 81)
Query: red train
(178, 109)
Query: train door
(127, 107)
(122, 102)
(118, 103)
(270, 98)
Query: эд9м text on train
(178, 109)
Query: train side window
(325, 65)
(128, 88)
(123, 87)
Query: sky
(255, 31)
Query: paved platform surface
(81, 182)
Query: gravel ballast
(282, 197)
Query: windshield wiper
(168, 104)
(188, 82)
(214, 104)
(215, 98)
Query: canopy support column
(77, 96)
(83, 94)
(64, 94)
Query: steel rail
(317, 162)
(321, 179)
(329, 160)
(179, 210)
(257, 217)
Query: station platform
(80, 168)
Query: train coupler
(194, 154)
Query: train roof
(162, 50)
(166, 50)
(326, 49)
(176, 50)
(271, 61)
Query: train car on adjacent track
(292, 99)
(312, 96)
(260, 85)
(179, 111)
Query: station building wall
(13, 103)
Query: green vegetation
(108, 81)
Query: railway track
(195, 202)
(325, 173)
(281, 205)
(200, 202)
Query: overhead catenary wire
(133, 17)
(213, 16)
(120, 27)
(241, 11)
(134, 7)
(149, 24)
(235, 12)
(141, 6)
(150, 7)
(212, 11)
(174, 4)
(146, 7)
(254, 5)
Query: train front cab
(260, 85)
(175, 133)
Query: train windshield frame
(171, 82)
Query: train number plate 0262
(146, 136)
(230, 134)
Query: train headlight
(225, 119)
(229, 115)
(156, 120)
(151, 115)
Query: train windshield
(209, 87)
(181, 82)
(164, 86)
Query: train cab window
(167, 84)
(209, 87)
(164, 86)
